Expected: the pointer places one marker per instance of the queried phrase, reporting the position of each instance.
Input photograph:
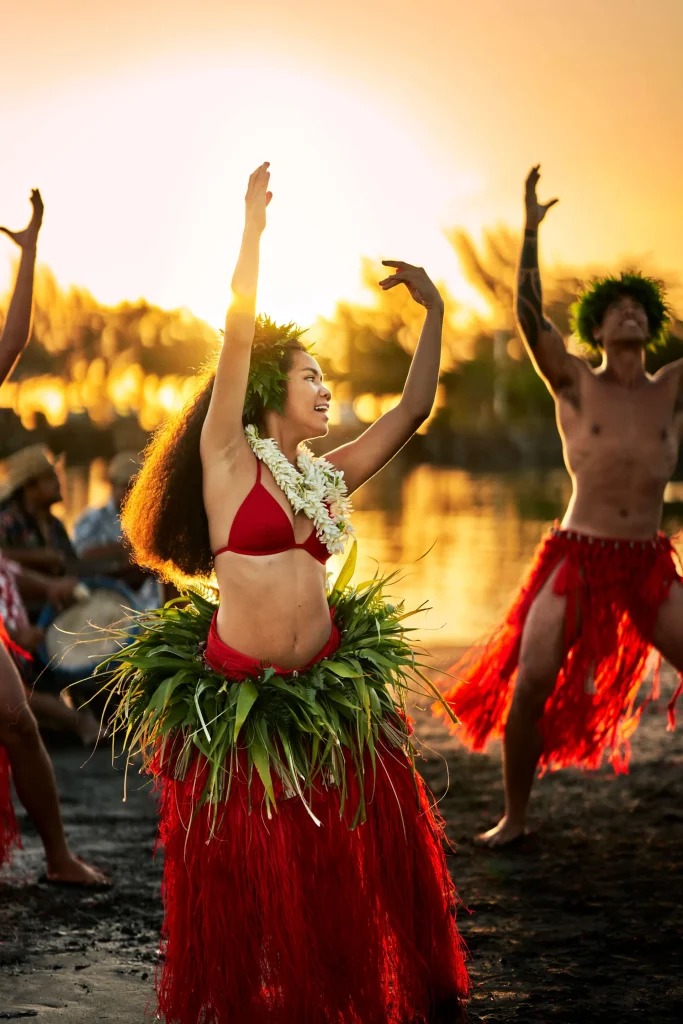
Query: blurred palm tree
(492, 270)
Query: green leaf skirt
(289, 729)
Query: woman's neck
(285, 437)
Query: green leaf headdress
(589, 309)
(267, 384)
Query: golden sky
(385, 122)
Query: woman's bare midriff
(273, 607)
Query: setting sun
(158, 210)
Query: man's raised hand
(535, 211)
(416, 280)
(28, 238)
(258, 197)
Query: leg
(63, 715)
(34, 778)
(540, 661)
(667, 635)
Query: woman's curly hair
(163, 517)
(589, 310)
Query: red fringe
(614, 590)
(10, 837)
(285, 922)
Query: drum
(75, 639)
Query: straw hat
(123, 467)
(25, 465)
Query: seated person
(52, 709)
(98, 539)
(29, 533)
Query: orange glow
(380, 137)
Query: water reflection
(481, 528)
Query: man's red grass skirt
(9, 829)
(282, 921)
(614, 589)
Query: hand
(52, 560)
(28, 238)
(535, 211)
(29, 638)
(258, 197)
(60, 593)
(420, 286)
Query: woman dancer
(304, 877)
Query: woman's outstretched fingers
(27, 238)
(399, 264)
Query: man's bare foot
(72, 870)
(505, 832)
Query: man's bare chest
(627, 428)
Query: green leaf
(347, 571)
(259, 756)
(245, 701)
(342, 668)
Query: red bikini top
(262, 527)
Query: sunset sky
(385, 124)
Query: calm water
(481, 529)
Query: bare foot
(73, 871)
(505, 832)
(88, 728)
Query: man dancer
(21, 747)
(559, 678)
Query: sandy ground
(582, 924)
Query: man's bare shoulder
(669, 370)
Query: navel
(595, 429)
(663, 433)
(623, 512)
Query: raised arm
(17, 329)
(542, 339)
(223, 423)
(362, 458)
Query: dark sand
(583, 924)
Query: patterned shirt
(18, 529)
(12, 609)
(96, 527)
(100, 526)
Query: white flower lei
(316, 488)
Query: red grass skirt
(9, 829)
(282, 921)
(614, 589)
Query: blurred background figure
(99, 542)
(35, 551)
(29, 532)
(51, 709)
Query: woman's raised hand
(416, 280)
(28, 238)
(258, 197)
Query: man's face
(624, 323)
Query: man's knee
(536, 680)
